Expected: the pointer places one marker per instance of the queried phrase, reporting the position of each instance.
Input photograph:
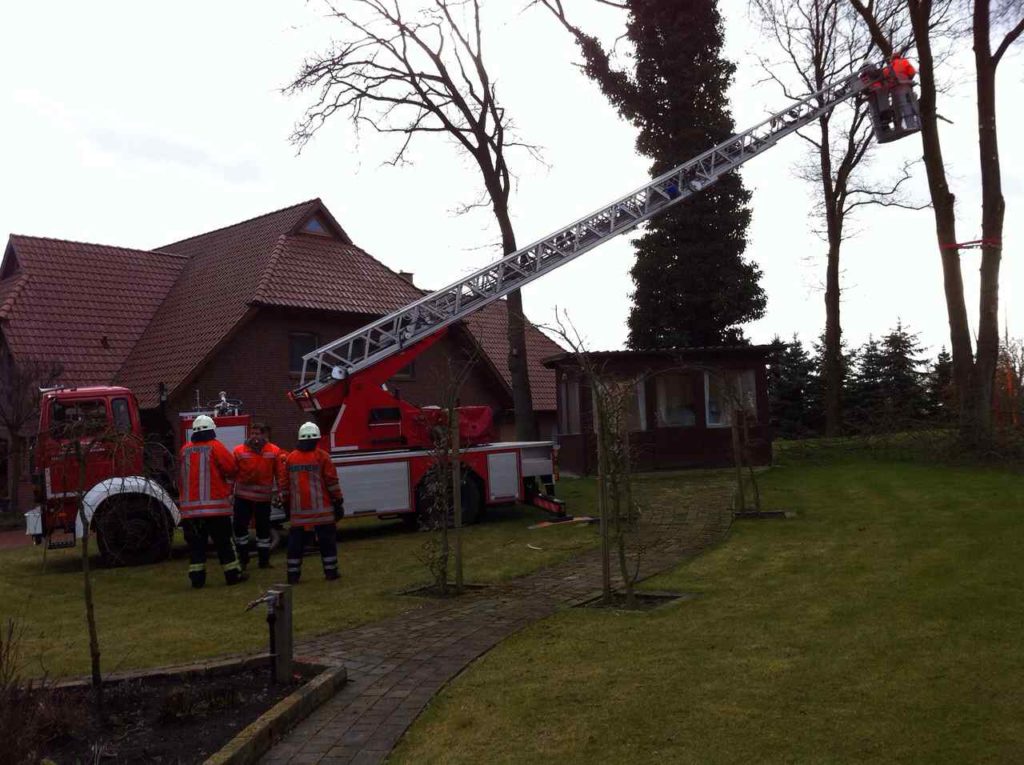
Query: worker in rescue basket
(316, 503)
(260, 465)
(207, 474)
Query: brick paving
(397, 665)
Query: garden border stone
(256, 739)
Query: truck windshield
(78, 418)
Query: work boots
(197, 576)
(264, 556)
(235, 576)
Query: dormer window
(315, 226)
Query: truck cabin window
(122, 415)
(78, 419)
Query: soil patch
(642, 601)
(433, 591)
(174, 720)
(762, 515)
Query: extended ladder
(422, 318)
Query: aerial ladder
(349, 373)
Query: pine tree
(906, 395)
(866, 391)
(816, 388)
(790, 379)
(940, 390)
(692, 285)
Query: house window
(677, 404)
(299, 344)
(315, 226)
(629, 395)
(726, 391)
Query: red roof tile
(209, 299)
(490, 328)
(324, 274)
(85, 305)
(130, 316)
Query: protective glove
(339, 509)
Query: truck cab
(89, 456)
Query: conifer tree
(790, 383)
(692, 284)
(866, 391)
(940, 389)
(906, 396)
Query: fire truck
(380, 443)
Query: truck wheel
(472, 502)
(133, 530)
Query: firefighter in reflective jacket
(207, 473)
(316, 503)
(260, 465)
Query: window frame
(660, 398)
(292, 335)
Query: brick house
(235, 309)
(679, 405)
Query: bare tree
(619, 510)
(446, 485)
(819, 42)
(425, 73)
(927, 23)
(20, 383)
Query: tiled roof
(324, 274)
(209, 300)
(490, 328)
(85, 305)
(139, 318)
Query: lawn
(882, 624)
(148, 616)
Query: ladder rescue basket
(892, 102)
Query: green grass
(883, 624)
(148, 616)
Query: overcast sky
(137, 124)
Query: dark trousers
(326, 537)
(245, 509)
(218, 530)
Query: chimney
(407, 275)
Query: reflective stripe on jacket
(257, 472)
(312, 486)
(207, 472)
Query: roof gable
(209, 300)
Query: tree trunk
(453, 423)
(833, 347)
(522, 398)
(90, 606)
(992, 211)
(14, 458)
(943, 208)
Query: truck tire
(472, 502)
(132, 530)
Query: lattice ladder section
(422, 318)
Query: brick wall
(253, 366)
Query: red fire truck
(380, 443)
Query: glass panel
(122, 415)
(314, 226)
(677, 405)
(78, 419)
(299, 344)
(729, 390)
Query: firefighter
(207, 473)
(316, 503)
(260, 465)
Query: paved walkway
(396, 666)
(14, 538)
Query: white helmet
(309, 432)
(202, 423)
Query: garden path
(396, 666)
